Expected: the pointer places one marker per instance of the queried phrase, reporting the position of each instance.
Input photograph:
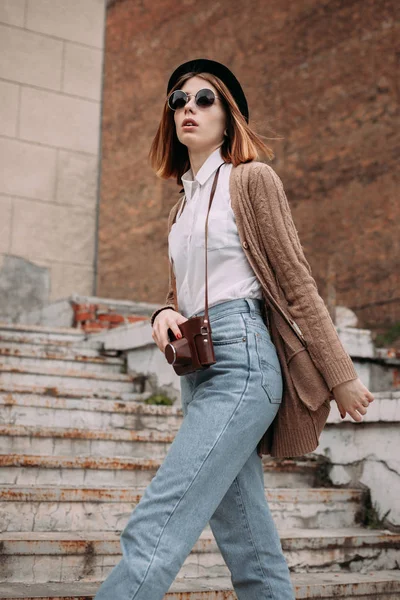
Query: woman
(212, 472)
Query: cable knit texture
(272, 245)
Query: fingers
(340, 409)
(159, 337)
(155, 338)
(360, 409)
(355, 402)
(354, 414)
(160, 329)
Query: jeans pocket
(271, 373)
(228, 329)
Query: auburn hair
(170, 158)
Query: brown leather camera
(194, 350)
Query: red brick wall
(324, 75)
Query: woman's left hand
(352, 397)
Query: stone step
(90, 556)
(41, 334)
(88, 413)
(53, 441)
(70, 349)
(60, 358)
(60, 391)
(106, 508)
(53, 377)
(380, 585)
(26, 469)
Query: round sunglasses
(203, 98)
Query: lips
(190, 122)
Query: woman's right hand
(166, 319)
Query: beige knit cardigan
(271, 243)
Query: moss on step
(159, 399)
(372, 518)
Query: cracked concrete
(366, 454)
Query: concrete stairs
(78, 446)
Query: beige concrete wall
(51, 64)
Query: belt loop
(251, 305)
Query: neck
(197, 159)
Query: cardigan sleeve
(293, 272)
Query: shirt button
(245, 245)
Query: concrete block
(339, 476)
(60, 121)
(57, 233)
(8, 108)
(12, 12)
(82, 71)
(357, 342)
(384, 408)
(77, 180)
(58, 314)
(30, 58)
(150, 361)
(23, 285)
(5, 223)
(345, 317)
(68, 19)
(383, 479)
(27, 170)
(368, 452)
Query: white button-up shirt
(230, 275)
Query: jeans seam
(247, 525)
(231, 312)
(191, 483)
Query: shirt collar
(209, 167)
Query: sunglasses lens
(205, 98)
(177, 100)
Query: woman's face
(211, 121)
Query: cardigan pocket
(310, 386)
(271, 374)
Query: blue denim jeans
(212, 472)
